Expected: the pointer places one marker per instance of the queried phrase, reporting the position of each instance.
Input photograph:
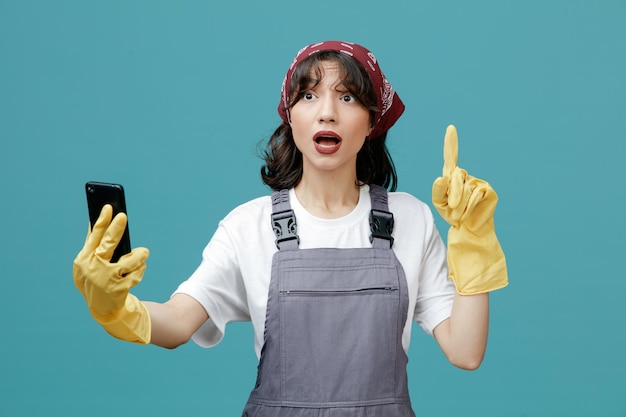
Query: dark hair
(283, 160)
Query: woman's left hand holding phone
(106, 285)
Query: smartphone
(101, 193)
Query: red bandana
(389, 104)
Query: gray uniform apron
(334, 323)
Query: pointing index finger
(450, 151)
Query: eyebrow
(311, 82)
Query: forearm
(174, 322)
(463, 337)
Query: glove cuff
(476, 264)
(131, 323)
(495, 277)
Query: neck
(328, 198)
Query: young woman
(331, 269)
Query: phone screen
(101, 193)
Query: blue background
(171, 99)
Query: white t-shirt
(232, 281)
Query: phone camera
(90, 189)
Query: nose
(327, 110)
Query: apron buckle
(381, 225)
(285, 228)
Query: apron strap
(381, 219)
(284, 221)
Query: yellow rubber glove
(475, 259)
(106, 285)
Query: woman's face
(329, 125)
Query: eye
(348, 98)
(308, 96)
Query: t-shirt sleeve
(436, 292)
(217, 284)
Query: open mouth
(326, 140)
